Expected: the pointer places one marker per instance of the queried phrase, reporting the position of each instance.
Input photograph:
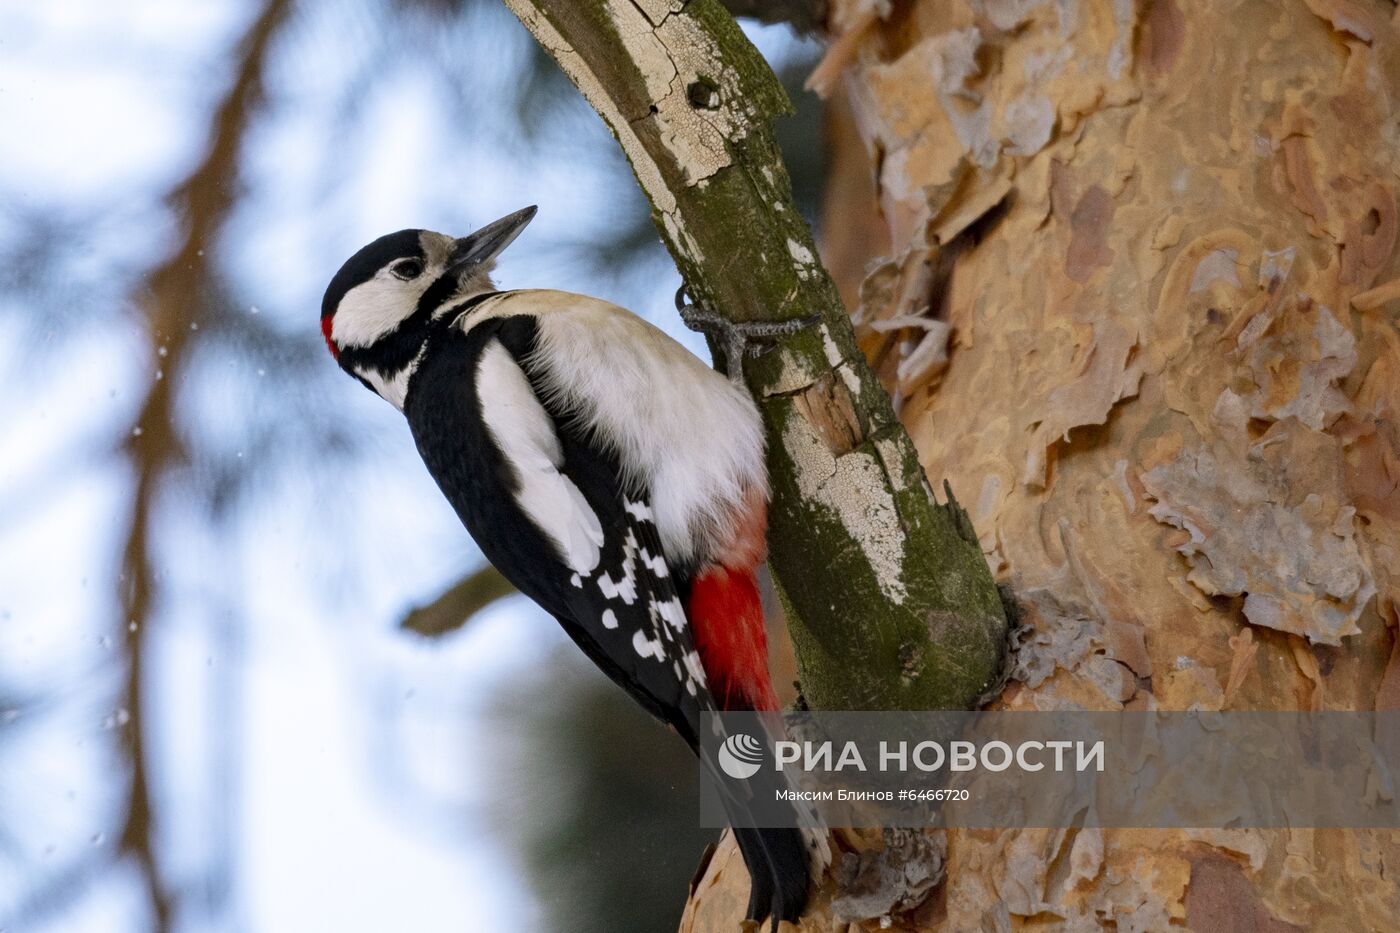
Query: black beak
(488, 242)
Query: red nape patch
(727, 617)
(326, 323)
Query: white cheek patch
(372, 310)
(523, 431)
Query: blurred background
(210, 717)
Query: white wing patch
(525, 434)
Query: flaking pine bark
(1138, 307)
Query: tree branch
(170, 306)
(891, 604)
(455, 608)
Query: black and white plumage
(575, 542)
(607, 472)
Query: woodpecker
(607, 472)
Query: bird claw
(738, 339)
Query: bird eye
(407, 268)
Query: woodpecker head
(377, 310)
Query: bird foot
(738, 339)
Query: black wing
(626, 612)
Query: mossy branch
(891, 604)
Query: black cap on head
(362, 266)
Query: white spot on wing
(609, 619)
(671, 611)
(657, 565)
(625, 587)
(696, 669)
(647, 647)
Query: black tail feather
(760, 874)
(777, 858)
(784, 894)
(779, 874)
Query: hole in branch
(703, 93)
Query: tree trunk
(1145, 253)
